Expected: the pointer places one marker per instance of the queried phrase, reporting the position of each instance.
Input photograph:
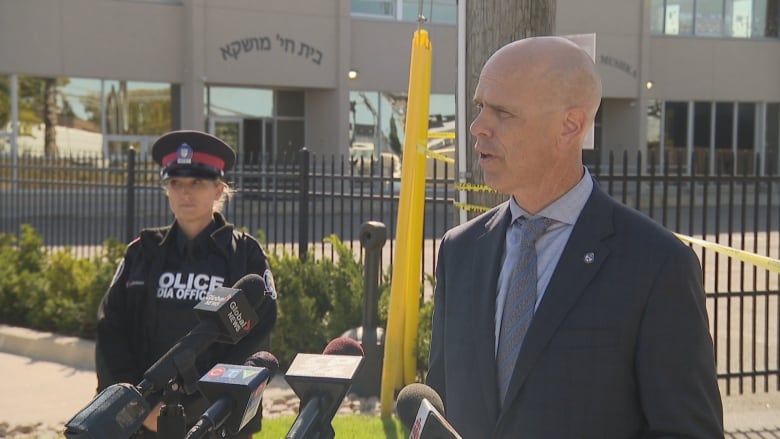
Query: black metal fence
(296, 203)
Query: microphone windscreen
(251, 284)
(343, 346)
(409, 399)
(260, 291)
(264, 359)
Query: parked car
(367, 162)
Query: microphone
(235, 393)
(422, 412)
(225, 315)
(117, 412)
(321, 382)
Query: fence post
(130, 196)
(303, 204)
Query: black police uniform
(149, 305)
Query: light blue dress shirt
(564, 211)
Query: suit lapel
(487, 263)
(572, 275)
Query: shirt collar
(565, 209)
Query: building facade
(694, 83)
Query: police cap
(192, 154)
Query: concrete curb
(46, 346)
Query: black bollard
(373, 235)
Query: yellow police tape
(765, 262)
(473, 187)
(441, 135)
(436, 156)
(751, 258)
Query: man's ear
(574, 125)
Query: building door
(251, 138)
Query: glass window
(702, 112)
(159, 1)
(765, 18)
(653, 130)
(59, 116)
(739, 18)
(679, 17)
(746, 136)
(675, 133)
(709, 17)
(137, 108)
(772, 137)
(374, 7)
(5, 114)
(772, 19)
(377, 119)
(435, 11)
(289, 103)
(236, 101)
(657, 17)
(728, 18)
(5, 103)
(289, 137)
(724, 131)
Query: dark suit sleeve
(675, 363)
(435, 376)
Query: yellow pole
(399, 364)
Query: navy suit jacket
(619, 346)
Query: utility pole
(488, 25)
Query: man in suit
(618, 343)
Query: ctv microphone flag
(243, 384)
(235, 393)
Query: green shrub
(318, 299)
(21, 281)
(52, 292)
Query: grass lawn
(345, 426)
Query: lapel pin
(589, 257)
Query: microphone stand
(171, 422)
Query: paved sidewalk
(46, 379)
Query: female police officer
(166, 271)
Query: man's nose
(478, 126)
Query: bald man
(616, 342)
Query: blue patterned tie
(520, 297)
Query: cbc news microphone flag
(404, 310)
